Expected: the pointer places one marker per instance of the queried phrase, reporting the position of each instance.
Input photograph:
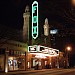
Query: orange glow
(69, 48)
(73, 2)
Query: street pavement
(43, 72)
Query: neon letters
(35, 20)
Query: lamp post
(68, 49)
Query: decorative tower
(26, 17)
(46, 33)
(46, 28)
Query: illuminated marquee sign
(35, 20)
(53, 52)
(47, 50)
(32, 48)
(43, 49)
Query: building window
(16, 60)
(16, 63)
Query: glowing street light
(68, 48)
(73, 2)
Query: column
(26, 59)
(6, 60)
(57, 61)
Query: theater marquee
(38, 49)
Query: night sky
(57, 11)
(11, 12)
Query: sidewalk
(25, 72)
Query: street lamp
(68, 48)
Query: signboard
(35, 20)
(32, 48)
(53, 52)
(44, 50)
(55, 31)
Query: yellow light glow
(73, 2)
(28, 64)
(40, 56)
(55, 55)
(11, 58)
(6, 69)
(69, 48)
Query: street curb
(25, 72)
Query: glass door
(12, 64)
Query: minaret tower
(26, 17)
(46, 27)
(46, 33)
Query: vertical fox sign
(35, 20)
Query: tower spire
(46, 27)
(46, 21)
(26, 17)
(27, 9)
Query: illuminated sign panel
(55, 31)
(53, 52)
(32, 48)
(40, 56)
(35, 20)
(44, 50)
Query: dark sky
(11, 12)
